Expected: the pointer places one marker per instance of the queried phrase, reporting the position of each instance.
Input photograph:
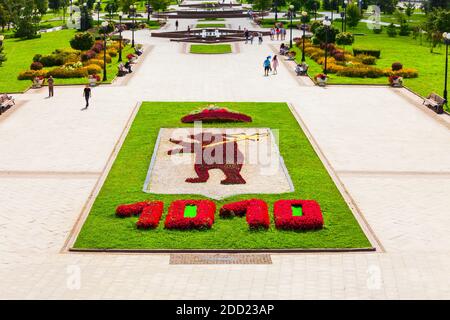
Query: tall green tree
(437, 22)
(353, 15)
(160, 5)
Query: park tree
(41, 6)
(429, 5)
(54, 5)
(112, 6)
(263, 5)
(437, 22)
(125, 5)
(387, 6)
(159, 5)
(353, 15)
(25, 20)
(409, 8)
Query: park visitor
(87, 94)
(50, 82)
(266, 65)
(274, 64)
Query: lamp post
(98, 7)
(446, 37)
(148, 11)
(291, 10)
(132, 12)
(326, 24)
(315, 10)
(120, 35)
(304, 19)
(276, 10)
(345, 15)
(83, 21)
(104, 26)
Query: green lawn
(210, 25)
(20, 55)
(211, 19)
(210, 48)
(406, 50)
(125, 181)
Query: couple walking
(270, 65)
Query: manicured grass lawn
(211, 19)
(20, 55)
(125, 181)
(210, 48)
(210, 25)
(406, 50)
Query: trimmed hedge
(370, 52)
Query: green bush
(51, 60)
(345, 38)
(321, 34)
(366, 59)
(361, 72)
(404, 30)
(62, 72)
(31, 74)
(378, 30)
(82, 41)
(370, 52)
(391, 30)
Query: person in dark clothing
(87, 95)
(128, 66)
(176, 25)
(50, 82)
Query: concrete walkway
(391, 154)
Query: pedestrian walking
(260, 37)
(50, 82)
(274, 64)
(272, 33)
(283, 33)
(251, 37)
(176, 25)
(266, 65)
(87, 95)
(277, 31)
(246, 35)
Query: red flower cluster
(311, 217)
(128, 210)
(150, 216)
(216, 114)
(255, 211)
(203, 220)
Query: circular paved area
(391, 154)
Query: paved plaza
(391, 154)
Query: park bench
(435, 102)
(6, 102)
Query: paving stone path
(391, 155)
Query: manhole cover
(203, 258)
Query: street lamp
(99, 6)
(446, 37)
(345, 15)
(104, 26)
(291, 9)
(132, 12)
(120, 35)
(148, 12)
(304, 19)
(326, 24)
(276, 10)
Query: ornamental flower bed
(128, 210)
(203, 219)
(150, 216)
(255, 211)
(216, 114)
(310, 218)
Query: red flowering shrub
(215, 114)
(128, 210)
(311, 217)
(203, 220)
(257, 214)
(255, 211)
(150, 216)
